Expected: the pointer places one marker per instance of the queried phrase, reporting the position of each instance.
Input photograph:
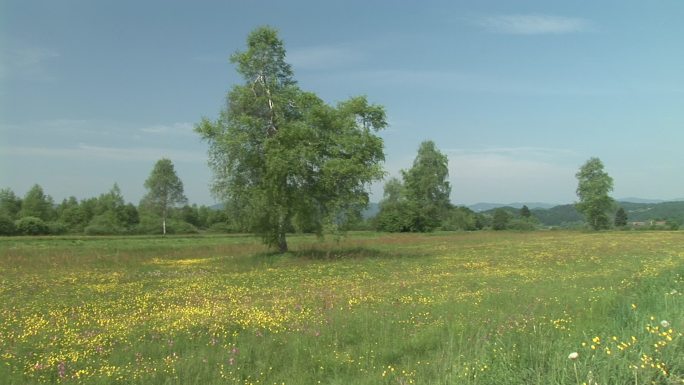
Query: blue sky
(517, 94)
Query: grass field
(445, 308)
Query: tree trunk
(164, 221)
(282, 233)
(282, 242)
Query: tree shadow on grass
(337, 253)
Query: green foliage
(525, 212)
(427, 188)
(281, 157)
(521, 224)
(149, 225)
(562, 215)
(36, 204)
(461, 218)
(190, 214)
(10, 204)
(620, 217)
(500, 219)
(221, 228)
(106, 223)
(31, 226)
(421, 202)
(7, 226)
(72, 215)
(164, 190)
(129, 215)
(673, 211)
(396, 212)
(57, 228)
(593, 187)
(108, 214)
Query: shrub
(459, 218)
(522, 225)
(152, 225)
(31, 226)
(104, 224)
(57, 228)
(500, 220)
(220, 227)
(175, 226)
(7, 225)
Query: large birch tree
(282, 158)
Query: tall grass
(445, 308)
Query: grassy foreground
(475, 308)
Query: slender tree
(621, 217)
(164, 190)
(500, 219)
(427, 186)
(525, 212)
(421, 201)
(395, 214)
(593, 187)
(10, 204)
(37, 204)
(282, 158)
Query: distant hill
(567, 215)
(483, 206)
(562, 215)
(654, 211)
(640, 200)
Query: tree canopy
(421, 202)
(36, 204)
(525, 212)
(621, 217)
(284, 159)
(164, 190)
(593, 187)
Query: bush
(104, 224)
(396, 217)
(152, 225)
(500, 220)
(7, 225)
(57, 228)
(220, 227)
(31, 226)
(459, 218)
(522, 225)
(175, 226)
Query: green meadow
(442, 308)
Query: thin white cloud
(86, 152)
(181, 128)
(504, 174)
(533, 24)
(324, 57)
(211, 58)
(501, 177)
(519, 152)
(27, 62)
(456, 81)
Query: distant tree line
(162, 210)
